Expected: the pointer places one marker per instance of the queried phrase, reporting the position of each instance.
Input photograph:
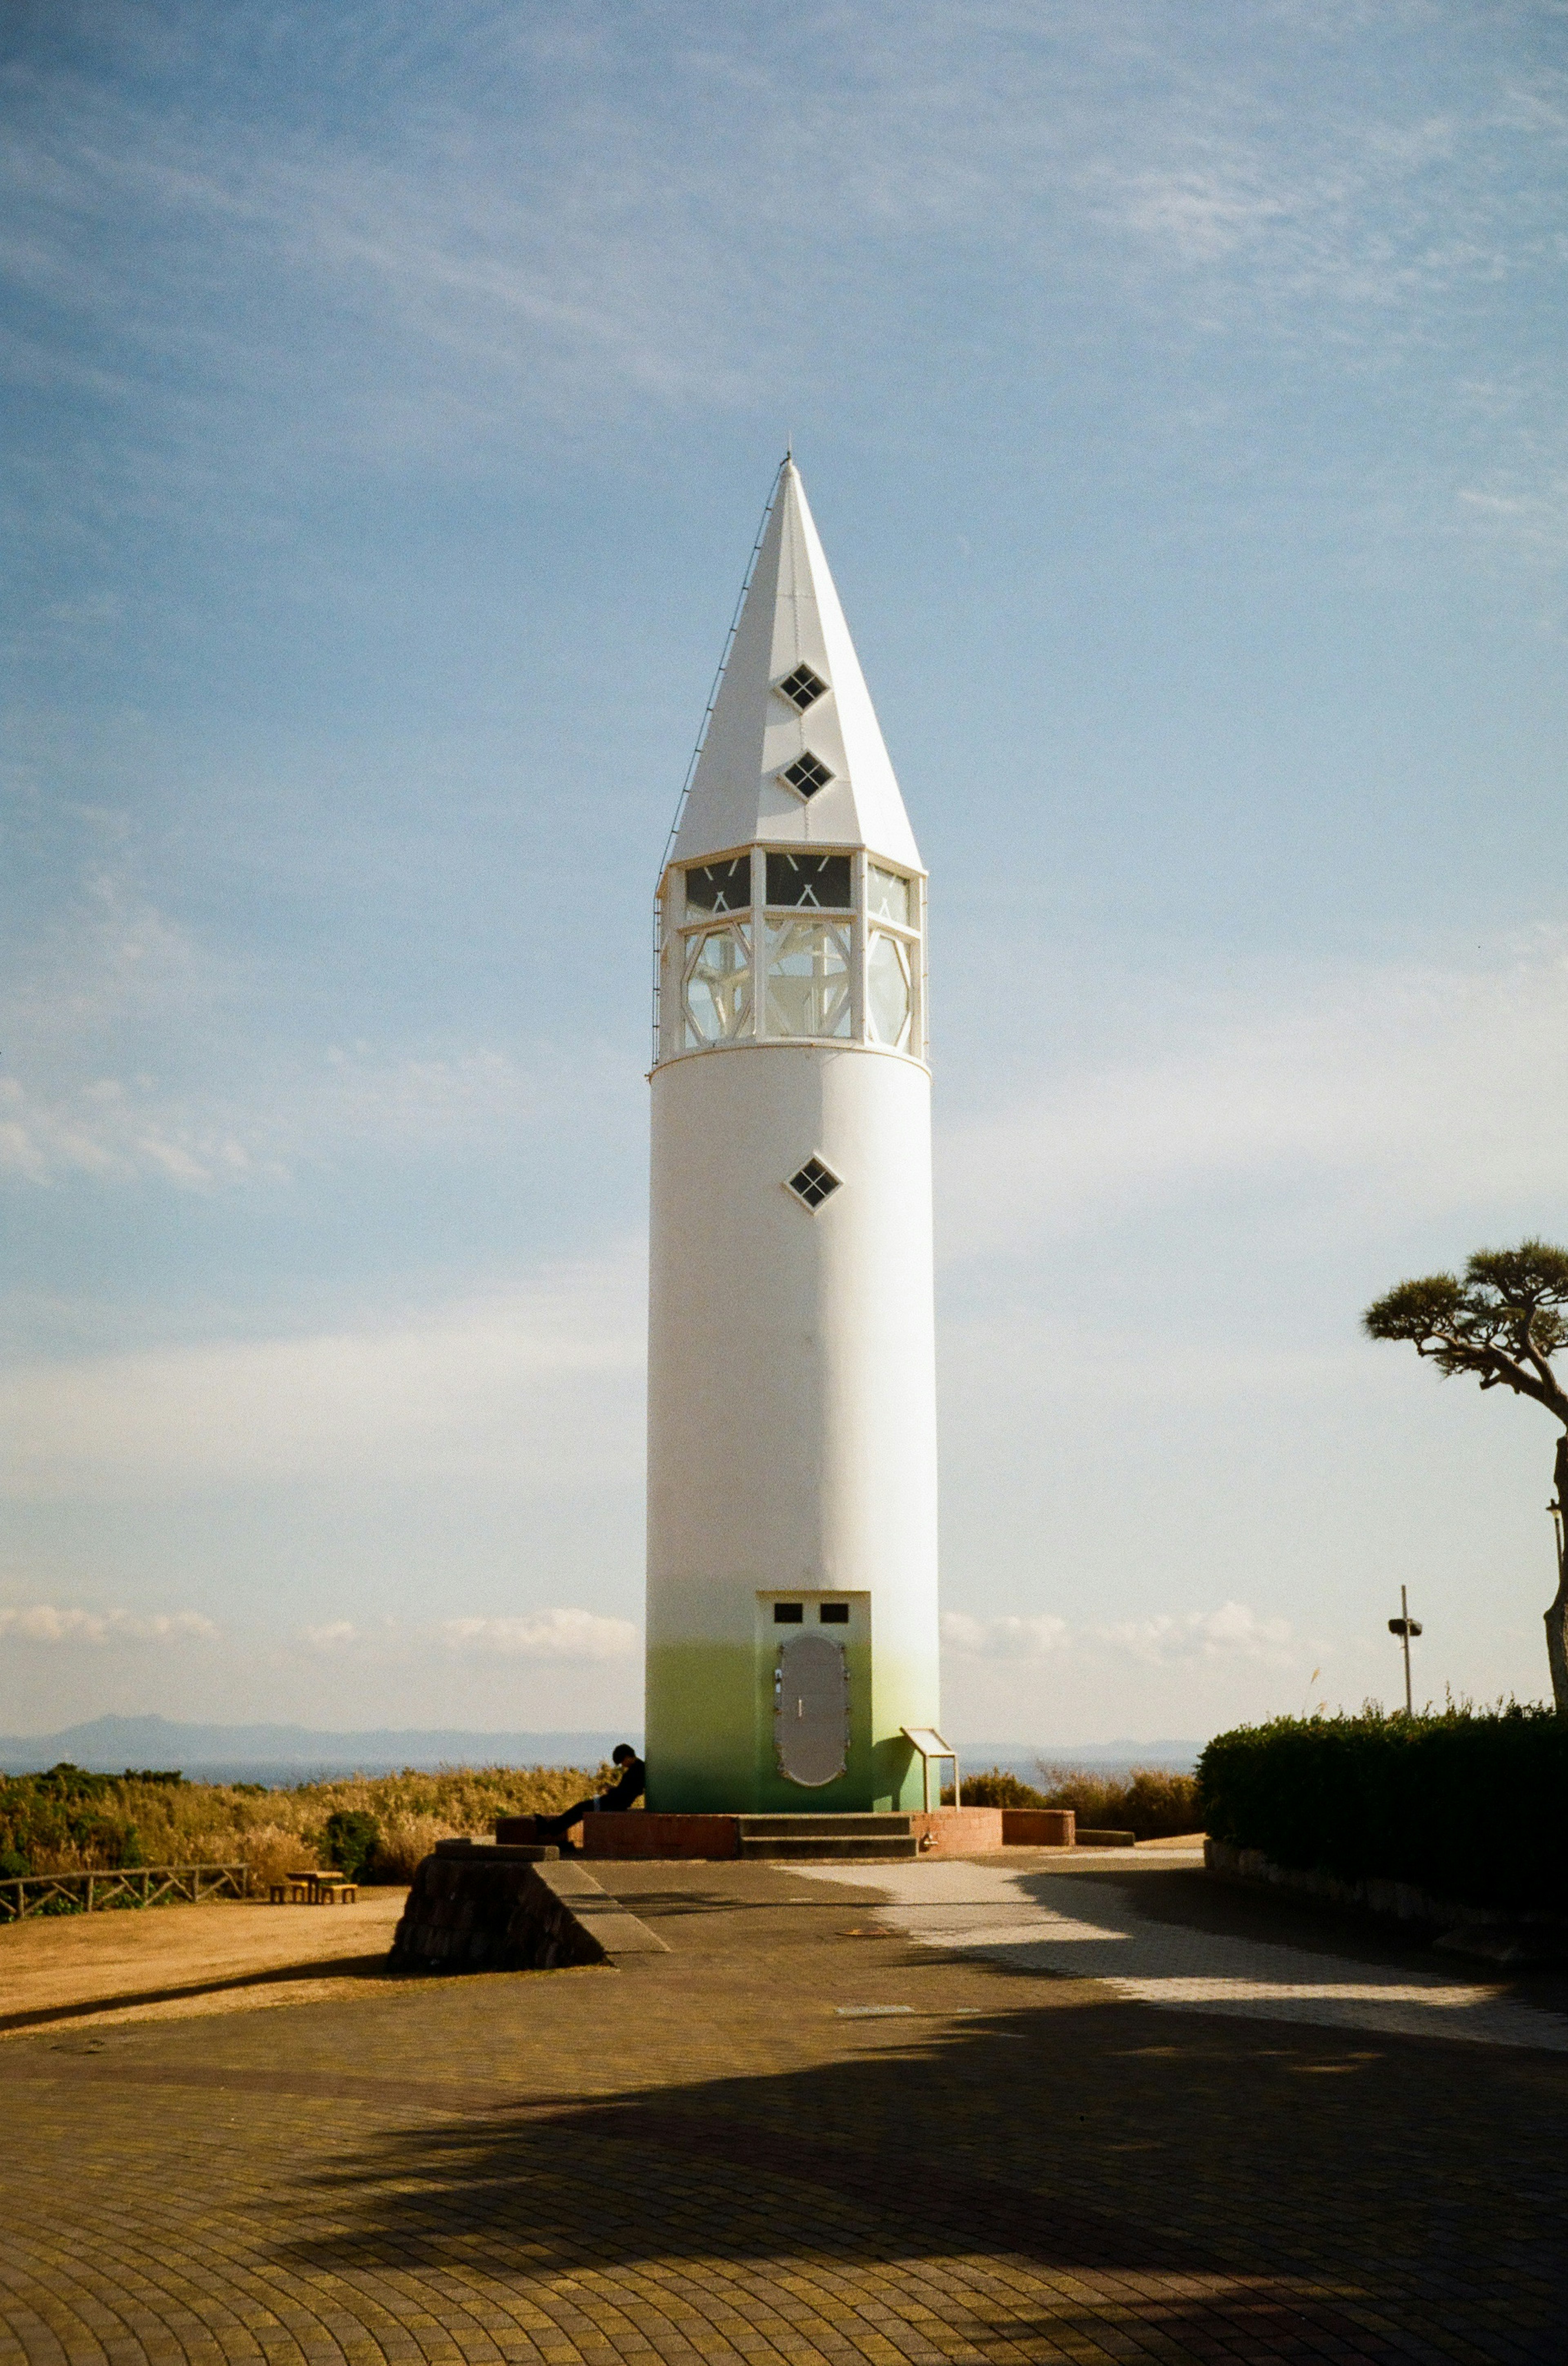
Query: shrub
(271, 1853)
(353, 1839)
(1150, 1801)
(1467, 1805)
(995, 1788)
(13, 1865)
(407, 1838)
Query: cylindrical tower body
(792, 1618)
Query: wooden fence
(139, 1885)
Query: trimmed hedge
(1470, 1806)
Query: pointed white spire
(791, 620)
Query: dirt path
(167, 1962)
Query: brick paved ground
(706, 2158)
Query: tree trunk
(1557, 1617)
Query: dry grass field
(69, 1822)
(79, 1972)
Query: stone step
(843, 1848)
(825, 1827)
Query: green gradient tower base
(710, 1747)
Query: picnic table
(311, 1887)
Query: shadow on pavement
(330, 1967)
(1209, 2182)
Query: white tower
(792, 1427)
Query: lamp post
(1404, 1627)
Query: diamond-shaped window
(814, 1183)
(806, 776)
(803, 688)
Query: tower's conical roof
(791, 620)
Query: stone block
(490, 1910)
(521, 1832)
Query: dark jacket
(633, 1775)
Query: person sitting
(620, 1796)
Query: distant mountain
(290, 1753)
(278, 1754)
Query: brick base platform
(1039, 1827)
(639, 1834)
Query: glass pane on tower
(888, 990)
(890, 897)
(809, 882)
(719, 886)
(808, 978)
(717, 992)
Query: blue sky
(393, 393)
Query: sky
(393, 392)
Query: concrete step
(826, 1827)
(843, 1848)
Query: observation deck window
(889, 895)
(809, 882)
(889, 989)
(719, 886)
(791, 943)
(809, 974)
(716, 989)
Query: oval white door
(811, 1712)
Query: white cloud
(120, 1035)
(1003, 1639)
(42, 1622)
(1232, 1632)
(538, 1384)
(336, 1631)
(1418, 1086)
(1527, 510)
(115, 1130)
(558, 1634)
(120, 1128)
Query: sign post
(1404, 1627)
